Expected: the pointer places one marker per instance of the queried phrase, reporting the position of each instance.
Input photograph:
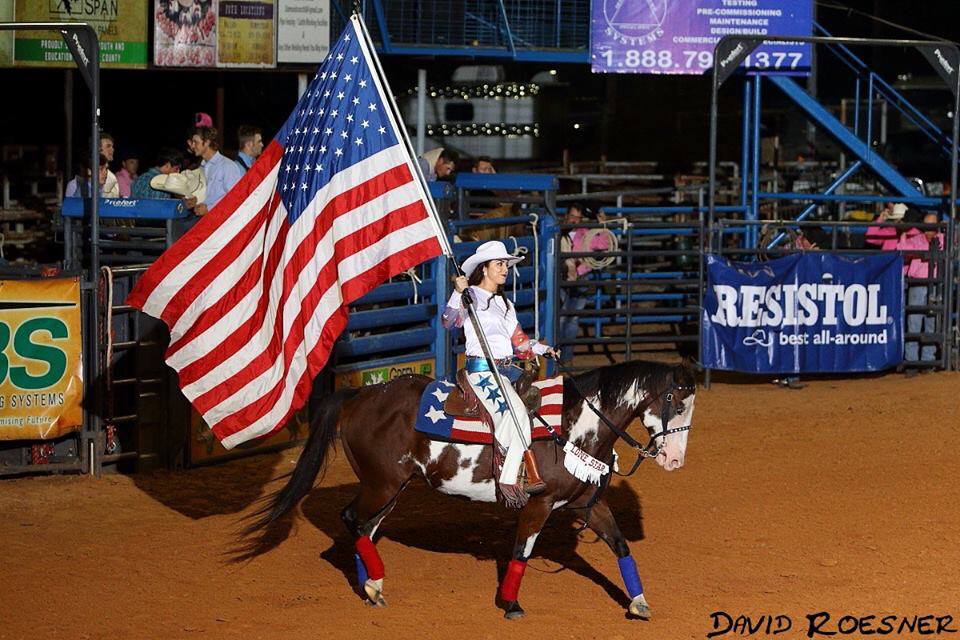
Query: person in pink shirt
(916, 246)
(129, 169)
(886, 237)
(574, 299)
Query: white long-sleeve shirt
(499, 322)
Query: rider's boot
(535, 483)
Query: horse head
(668, 414)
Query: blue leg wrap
(362, 570)
(631, 579)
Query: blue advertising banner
(678, 36)
(805, 313)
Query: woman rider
(485, 273)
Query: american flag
(432, 420)
(257, 292)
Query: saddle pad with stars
(438, 425)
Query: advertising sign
(303, 31)
(185, 33)
(376, 375)
(805, 313)
(6, 37)
(246, 33)
(121, 28)
(678, 36)
(41, 372)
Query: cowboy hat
(432, 156)
(189, 184)
(493, 250)
(898, 211)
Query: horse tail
(313, 461)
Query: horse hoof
(513, 611)
(374, 594)
(640, 608)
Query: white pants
(504, 429)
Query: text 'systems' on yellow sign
(41, 370)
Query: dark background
(626, 117)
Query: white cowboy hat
(493, 250)
(898, 211)
(432, 156)
(191, 183)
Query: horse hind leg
(362, 518)
(602, 522)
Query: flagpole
(405, 138)
(435, 217)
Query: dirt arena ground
(840, 498)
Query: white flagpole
(387, 96)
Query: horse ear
(685, 371)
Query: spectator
(81, 186)
(221, 172)
(251, 146)
(886, 237)
(483, 164)
(168, 161)
(107, 148)
(917, 246)
(129, 167)
(436, 164)
(574, 299)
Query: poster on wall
(121, 28)
(41, 370)
(303, 31)
(678, 36)
(185, 33)
(246, 33)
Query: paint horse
(376, 429)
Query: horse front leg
(532, 518)
(601, 521)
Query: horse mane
(614, 381)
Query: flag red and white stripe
(256, 294)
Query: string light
(531, 129)
(467, 92)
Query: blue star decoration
(493, 394)
(502, 408)
(485, 382)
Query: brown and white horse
(376, 428)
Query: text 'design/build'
(812, 312)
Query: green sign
(121, 27)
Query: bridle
(657, 440)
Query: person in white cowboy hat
(485, 273)
(436, 163)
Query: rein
(643, 452)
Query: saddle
(463, 402)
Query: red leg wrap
(510, 587)
(371, 559)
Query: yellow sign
(247, 34)
(41, 369)
(375, 375)
(6, 37)
(121, 28)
